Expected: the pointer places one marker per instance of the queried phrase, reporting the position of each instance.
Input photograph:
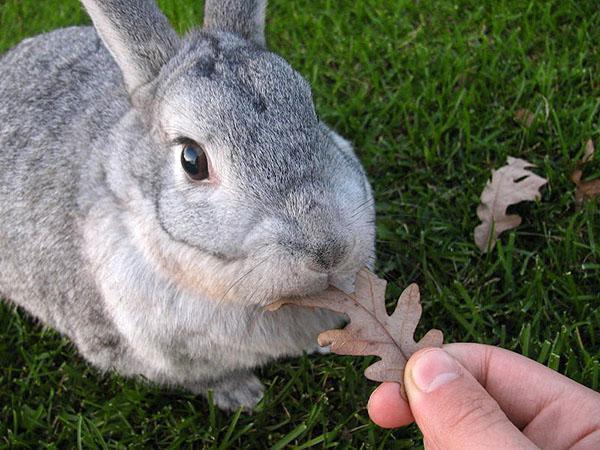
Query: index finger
(387, 408)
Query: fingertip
(387, 408)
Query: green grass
(427, 91)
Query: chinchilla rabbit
(156, 192)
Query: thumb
(452, 409)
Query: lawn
(427, 91)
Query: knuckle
(476, 414)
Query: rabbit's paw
(317, 349)
(241, 390)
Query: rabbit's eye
(194, 161)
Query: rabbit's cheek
(201, 275)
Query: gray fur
(104, 238)
(243, 17)
(137, 35)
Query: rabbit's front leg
(327, 320)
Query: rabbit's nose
(326, 256)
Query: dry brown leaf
(509, 185)
(371, 330)
(524, 117)
(585, 189)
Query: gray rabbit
(156, 192)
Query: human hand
(472, 396)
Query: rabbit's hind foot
(239, 390)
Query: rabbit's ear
(137, 34)
(244, 17)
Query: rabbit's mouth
(343, 282)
